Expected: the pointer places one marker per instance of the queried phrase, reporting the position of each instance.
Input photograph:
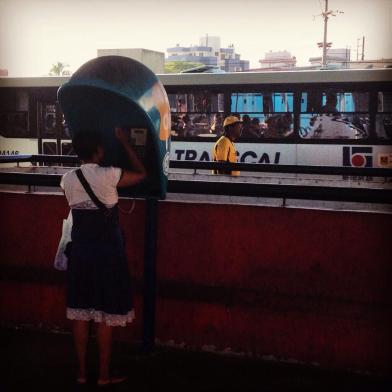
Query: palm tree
(58, 69)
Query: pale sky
(34, 34)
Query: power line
(321, 7)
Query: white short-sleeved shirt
(102, 180)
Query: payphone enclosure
(116, 91)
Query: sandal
(112, 381)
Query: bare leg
(104, 334)
(105, 349)
(80, 334)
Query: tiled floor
(43, 361)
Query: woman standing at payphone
(98, 281)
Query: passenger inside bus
(245, 126)
(50, 123)
(202, 102)
(251, 129)
(255, 126)
(217, 125)
(387, 123)
(189, 128)
(279, 125)
(268, 106)
(330, 104)
(384, 115)
(177, 125)
(344, 115)
(181, 107)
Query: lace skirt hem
(113, 320)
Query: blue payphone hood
(115, 90)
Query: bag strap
(92, 195)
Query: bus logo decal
(358, 156)
(385, 160)
(246, 157)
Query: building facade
(339, 57)
(150, 58)
(209, 52)
(280, 59)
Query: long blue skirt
(98, 281)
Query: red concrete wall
(308, 285)
(32, 292)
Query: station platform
(42, 360)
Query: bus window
(196, 102)
(200, 124)
(14, 115)
(262, 102)
(49, 123)
(384, 115)
(193, 114)
(14, 124)
(311, 102)
(266, 114)
(334, 102)
(334, 114)
(65, 131)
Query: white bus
(334, 117)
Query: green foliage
(58, 69)
(178, 66)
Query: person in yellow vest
(224, 149)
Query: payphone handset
(115, 91)
(138, 137)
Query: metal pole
(149, 286)
(363, 48)
(324, 59)
(358, 48)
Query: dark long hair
(86, 143)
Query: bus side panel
(17, 146)
(270, 153)
(345, 155)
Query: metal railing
(195, 165)
(271, 168)
(230, 187)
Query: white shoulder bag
(61, 259)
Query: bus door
(53, 134)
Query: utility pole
(326, 45)
(325, 15)
(358, 48)
(363, 48)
